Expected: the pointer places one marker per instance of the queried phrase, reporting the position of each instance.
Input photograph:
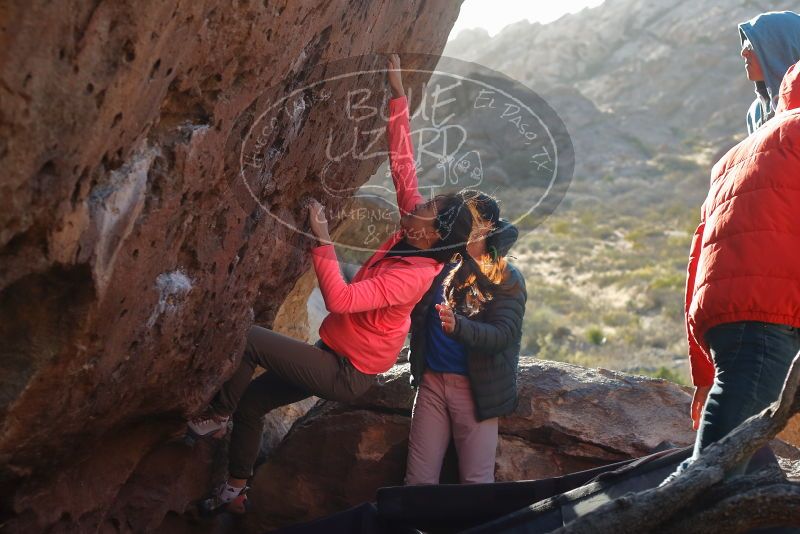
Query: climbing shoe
(208, 425)
(225, 498)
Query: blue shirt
(443, 354)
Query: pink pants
(444, 404)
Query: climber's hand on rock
(698, 403)
(395, 76)
(318, 222)
(447, 317)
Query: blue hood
(775, 37)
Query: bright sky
(494, 15)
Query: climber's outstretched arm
(401, 152)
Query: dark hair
(469, 285)
(454, 223)
(486, 205)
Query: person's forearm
(401, 156)
(395, 76)
(324, 239)
(702, 370)
(394, 286)
(485, 337)
(398, 91)
(329, 277)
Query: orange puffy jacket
(745, 258)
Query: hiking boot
(225, 498)
(206, 425)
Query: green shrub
(617, 318)
(669, 281)
(595, 336)
(561, 227)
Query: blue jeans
(752, 360)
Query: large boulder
(333, 458)
(569, 418)
(133, 260)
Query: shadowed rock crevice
(40, 316)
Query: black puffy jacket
(492, 338)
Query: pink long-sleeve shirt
(370, 317)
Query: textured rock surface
(791, 434)
(131, 262)
(331, 460)
(569, 418)
(292, 318)
(278, 423)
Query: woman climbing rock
(368, 320)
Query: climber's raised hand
(318, 222)
(395, 76)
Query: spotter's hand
(447, 317)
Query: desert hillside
(652, 93)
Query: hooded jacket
(744, 263)
(369, 317)
(775, 37)
(492, 338)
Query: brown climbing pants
(294, 371)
